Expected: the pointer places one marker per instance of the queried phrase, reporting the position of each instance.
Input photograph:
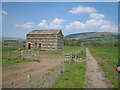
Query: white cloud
(103, 25)
(43, 24)
(81, 9)
(94, 22)
(109, 28)
(97, 21)
(26, 25)
(97, 16)
(88, 24)
(75, 25)
(4, 12)
(56, 23)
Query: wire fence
(68, 57)
(50, 76)
(26, 54)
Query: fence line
(29, 54)
(69, 56)
(21, 55)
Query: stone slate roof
(56, 31)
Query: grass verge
(82, 54)
(73, 77)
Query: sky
(19, 18)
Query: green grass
(73, 77)
(51, 69)
(107, 58)
(70, 48)
(7, 58)
(13, 58)
(6, 62)
(3, 53)
(6, 49)
(82, 54)
(66, 48)
(110, 54)
(51, 52)
(15, 44)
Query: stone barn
(45, 40)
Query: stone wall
(45, 41)
(60, 41)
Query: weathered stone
(45, 40)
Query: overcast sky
(20, 18)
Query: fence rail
(68, 57)
(33, 55)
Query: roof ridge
(47, 31)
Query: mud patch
(16, 76)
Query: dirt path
(94, 75)
(16, 76)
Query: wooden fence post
(31, 55)
(8, 55)
(29, 81)
(71, 55)
(21, 56)
(63, 61)
(38, 55)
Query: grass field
(73, 77)
(15, 44)
(66, 48)
(51, 52)
(70, 48)
(7, 50)
(8, 60)
(107, 58)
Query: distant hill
(12, 38)
(91, 35)
(102, 36)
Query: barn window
(35, 45)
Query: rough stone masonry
(45, 40)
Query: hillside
(101, 36)
(12, 38)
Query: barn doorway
(39, 45)
(35, 45)
(29, 45)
